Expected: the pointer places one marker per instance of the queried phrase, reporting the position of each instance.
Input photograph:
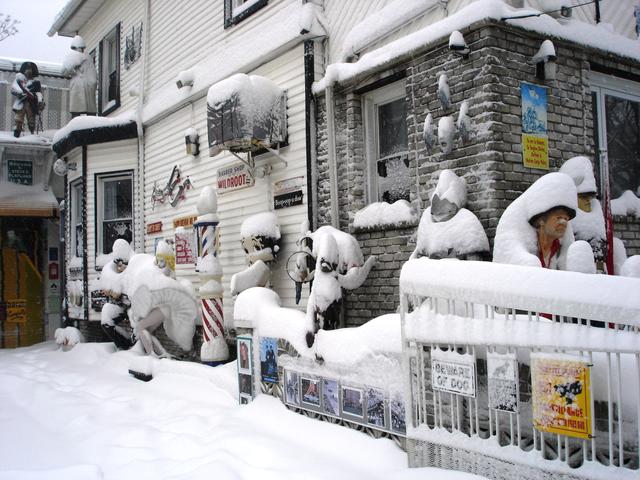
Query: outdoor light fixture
(61, 167)
(185, 79)
(545, 61)
(457, 44)
(191, 140)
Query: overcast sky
(31, 42)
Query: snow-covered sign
(184, 246)
(502, 375)
(560, 394)
(535, 145)
(453, 372)
(234, 177)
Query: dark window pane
(114, 230)
(392, 128)
(623, 144)
(117, 199)
(394, 179)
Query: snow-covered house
(498, 91)
(172, 76)
(30, 264)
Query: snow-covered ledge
(384, 216)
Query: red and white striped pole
(214, 350)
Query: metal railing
(474, 312)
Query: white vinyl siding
(165, 148)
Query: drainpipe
(139, 229)
(309, 129)
(331, 157)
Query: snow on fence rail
(521, 372)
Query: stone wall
(491, 161)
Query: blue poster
(534, 109)
(268, 359)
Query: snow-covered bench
(490, 349)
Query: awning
(26, 201)
(89, 130)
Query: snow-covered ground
(78, 415)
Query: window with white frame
(75, 222)
(114, 210)
(385, 126)
(109, 68)
(237, 10)
(616, 115)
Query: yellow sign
(17, 311)
(560, 396)
(535, 151)
(184, 221)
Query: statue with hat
(82, 89)
(28, 103)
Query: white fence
(492, 349)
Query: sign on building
(535, 143)
(20, 171)
(17, 311)
(502, 375)
(560, 395)
(184, 246)
(287, 193)
(453, 372)
(234, 177)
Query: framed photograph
(352, 402)
(269, 359)
(245, 384)
(244, 355)
(292, 388)
(397, 415)
(330, 397)
(375, 408)
(245, 399)
(310, 389)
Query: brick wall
(491, 161)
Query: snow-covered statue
(116, 311)
(260, 238)
(535, 230)
(82, 88)
(28, 102)
(339, 264)
(165, 258)
(447, 229)
(588, 224)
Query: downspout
(331, 157)
(309, 128)
(140, 221)
(85, 238)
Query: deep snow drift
(78, 415)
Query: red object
(555, 246)
(53, 270)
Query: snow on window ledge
(385, 216)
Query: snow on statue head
(534, 230)
(121, 251)
(447, 229)
(78, 44)
(165, 258)
(339, 264)
(260, 238)
(589, 222)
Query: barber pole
(214, 350)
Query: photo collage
(366, 405)
(245, 370)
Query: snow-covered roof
(73, 16)
(44, 68)
(571, 30)
(40, 140)
(89, 130)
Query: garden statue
(447, 229)
(116, 311)
(260, 238)
(28, 97)
(588, 223)
(82, 88)
(339, 264)
(535, 230)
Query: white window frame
(75, 216)
(101, 179)
(370, 103)
(603, 85)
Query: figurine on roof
(82, 88)
(28, 102)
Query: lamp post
(214, 350)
